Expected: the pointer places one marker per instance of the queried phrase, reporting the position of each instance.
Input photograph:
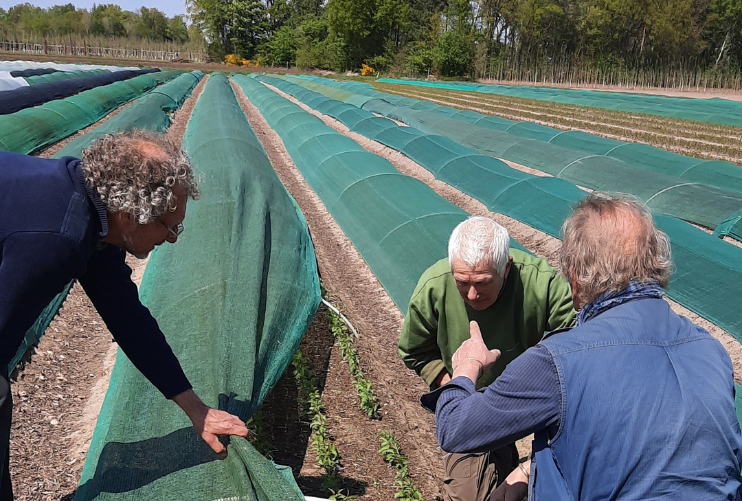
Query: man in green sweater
(514, 297)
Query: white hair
(480, 241)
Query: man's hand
(515, 487)
(473, 358)
(210, 423)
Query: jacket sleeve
(107, 282)
(561, 312)
(418, 341)
(524, 399)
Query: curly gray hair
(608, 242)
(136, 172)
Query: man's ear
(507, 268)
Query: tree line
(29, 23)
(528, 39)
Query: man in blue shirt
(73, 219)
(634, 403)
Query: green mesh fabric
(149, 113)
(62, 75)
(31, 129)
(398, 224)
(492, 182)
(718, 111)
(719, 174)
(698, 203)
(234, 297)
(708, 276)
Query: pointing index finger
(474, 331)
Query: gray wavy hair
(480, 241)
(136, 172)
(610, 241)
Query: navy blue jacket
(51, 226)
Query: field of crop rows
(305, 177)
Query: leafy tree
(249, 26)
(453, 53)
(282, 46)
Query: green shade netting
(698, 203)
(398, 224)
(724, 175)
(708, 277)
(62, 75)
(234, 297)
(31, 129)
(717, 111)
(502, 189)
(149, 112)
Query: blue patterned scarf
(608, 300)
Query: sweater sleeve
(34, 267)
(107, 282)
(561, 311)
(418, 341)
(524, 399)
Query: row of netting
(720, 174)
(32, 72)
(29, 130)
(708, 271)
(715, 111)
(398, 224)
(35, 65)
(10, 80)
(28, 97)
(151, 112)
(701, 204)
(234, 298)
(68, 75)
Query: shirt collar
(609, 299)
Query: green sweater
(534, 300)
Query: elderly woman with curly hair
(72, 219)
(633, 403)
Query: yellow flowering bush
(232, 60)
(367, 70)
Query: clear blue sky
(169, 7)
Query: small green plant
(257, 436)
(392, 454)
(328, 457)
(369, 403)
